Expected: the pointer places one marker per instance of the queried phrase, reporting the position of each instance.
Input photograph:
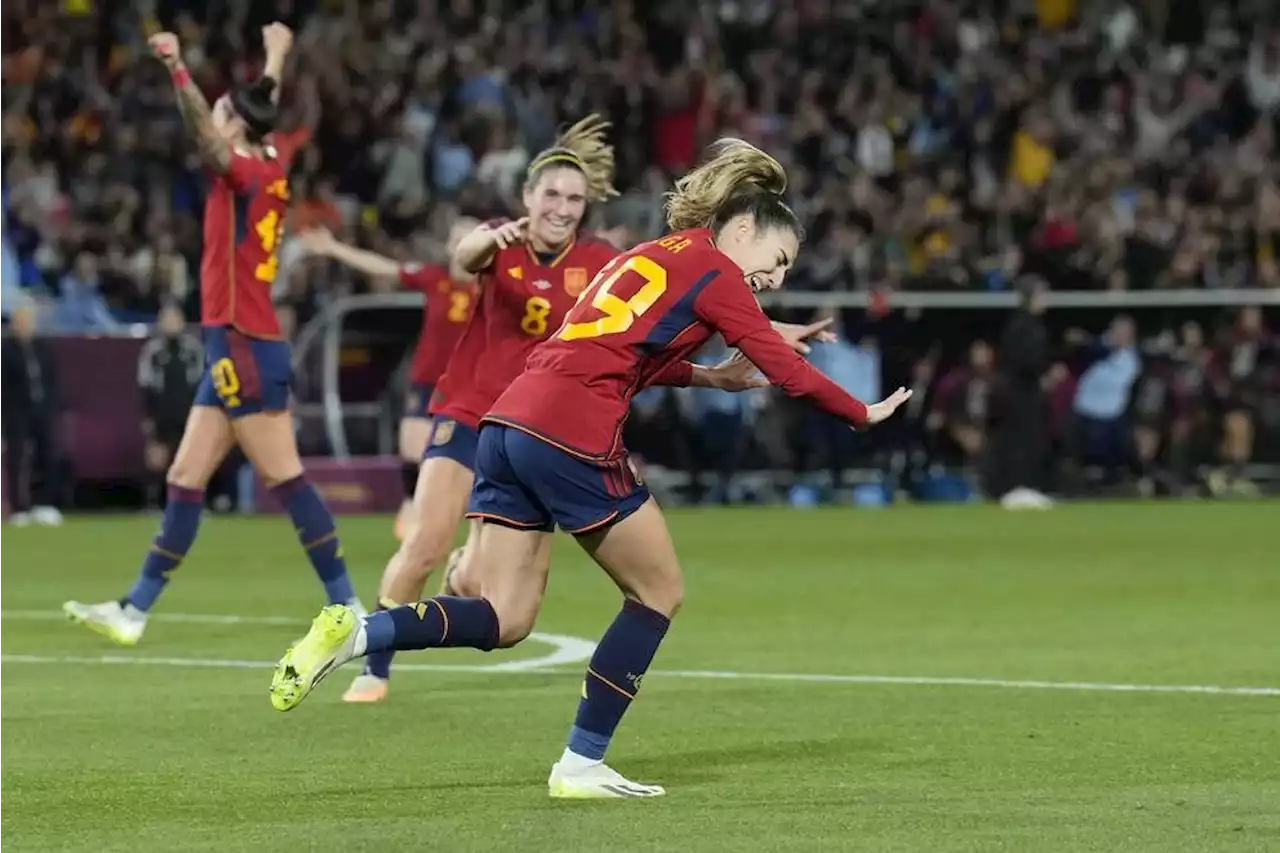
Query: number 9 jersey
(642, 316)
(523, 298)
(244, 217)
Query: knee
(182, 472)
(515, 621)
(424, 547)
(665, 595)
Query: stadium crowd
(931, 145)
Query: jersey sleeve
(727, 305)
(288, 144)
(677, 374)
(246, 173)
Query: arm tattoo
(213, 149)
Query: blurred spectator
(30, 414)
(854, 365)
(169, 370)
(961, 407)
(721, 419)
(81, 307)
(1015, 461)
(1099, 430)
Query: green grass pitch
(186, 753)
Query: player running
(244, 396)
(551, 453)
(529, 273)
(450, 295)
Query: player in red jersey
(550, 453)
(244, 397)
(529, 274)
(450, 296)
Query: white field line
(575, 650)
(563, 649)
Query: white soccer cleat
(120, 624)
(47, 516)
(595, 781)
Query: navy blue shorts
(452, 440)
(417, 399)
(244, 375)
(530, 484)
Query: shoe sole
(290, 684)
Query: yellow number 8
(620, 313)
(225, 381)
(536, 312)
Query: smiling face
(556, 201)
(764, 255)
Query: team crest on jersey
(442, 434)
(517, 273)
(575, 281)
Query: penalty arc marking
(572, 650)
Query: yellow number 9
(225, 381)
(536, 312)
(620, 313)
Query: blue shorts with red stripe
(244, 375)
(526, 482)
(417, 399)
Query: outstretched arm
(277, 39)
(321, 242)
(213, 149)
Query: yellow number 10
(620, 313)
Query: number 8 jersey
(243, 222)
(523, 298)
(634, 326)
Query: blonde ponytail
(585, 147)
(735, 168)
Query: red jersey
(243, 223)
(522, 301)
(644, 313)
(443, 318)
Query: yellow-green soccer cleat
(328, 645)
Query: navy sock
(441, 622)
(318, 534)
(379, 663)
(613, 676)
(177, 532)
(409, 478)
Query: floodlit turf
(102, 757)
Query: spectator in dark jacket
(30, 417)
(169, 370)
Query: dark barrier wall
(101, 428)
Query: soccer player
(450, 293)
(551, 454)
(244, 396)
(529, 273)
